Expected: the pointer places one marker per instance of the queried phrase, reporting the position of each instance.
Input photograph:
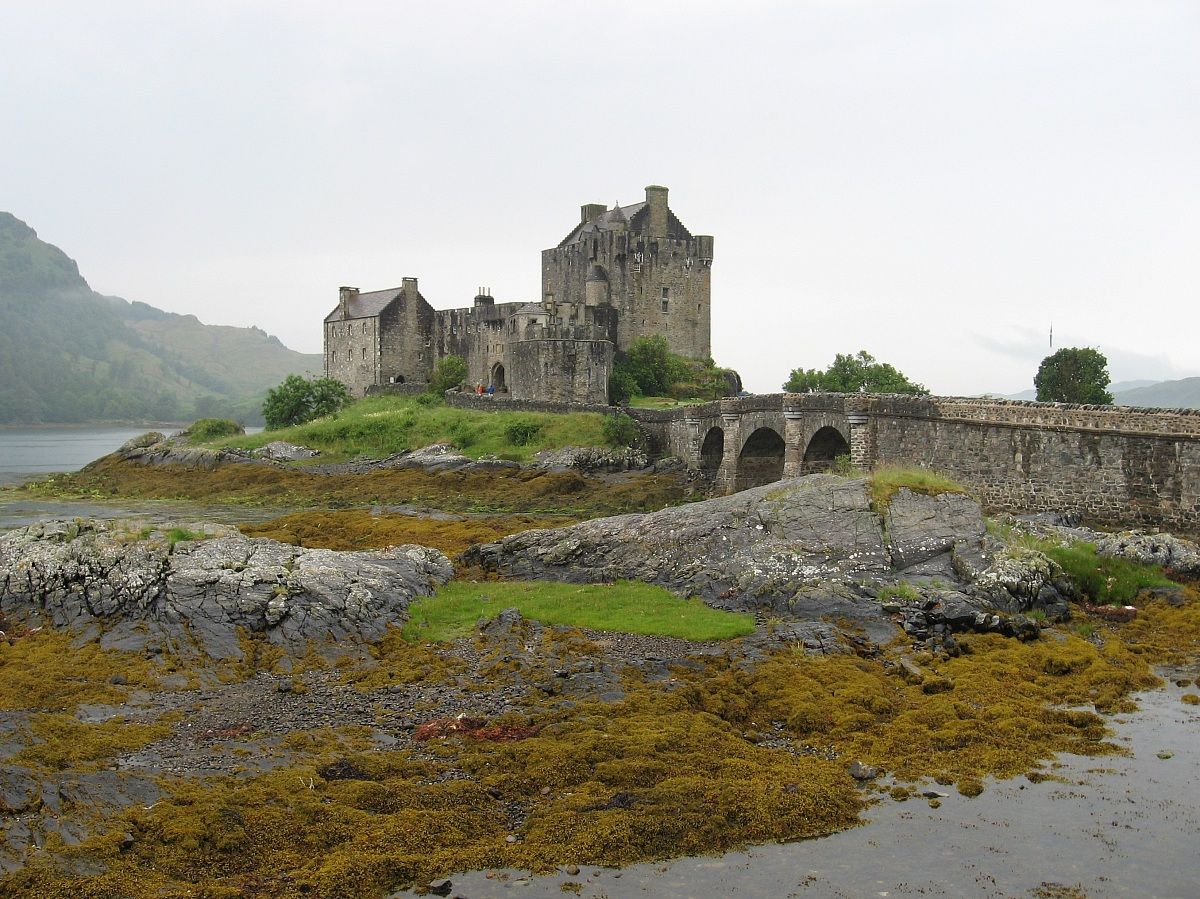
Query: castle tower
(637, 271)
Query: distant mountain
(1119, 386)
(1181, 394)
(68, 354)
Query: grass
(665, 402)
(888, 479)
(625, 606)
(1106, 581)
(377, 427)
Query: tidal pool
(1122, 825)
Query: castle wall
(554, 370)
(480, 334)
(352, 353)
(637, 269)
(405, 349)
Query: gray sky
(935, 182)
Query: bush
(621, 431)
(448, 373)
(622, 386)
(522, 431)
(651, 369)
(298, 400)
(1103, 579)
(206, 429)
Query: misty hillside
(1181, 394)
(68, 354)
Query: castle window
(364, 354)
(666, 299)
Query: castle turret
(409, 288)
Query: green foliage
(1073, 375)
(68, 354)
(885, 481)
(626, 606)
(621, 431)
(852, 374)
(448, 373)
(178, 535)
(298, 400)
(1106, 580)
(212, 429)
(381, 425)
(651, 369)
(522, 431)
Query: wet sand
(1118, 826)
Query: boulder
(921, 528)
(105, 576)
(282, 451)
(733, 551)
(1170, 552)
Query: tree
(298, 400)
(1073, 375)
(852, 374)
(448, 373)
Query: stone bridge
(1111, 464)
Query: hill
(1181, 394)
(69, 354)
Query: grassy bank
(626, 606)
(377, 427)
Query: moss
(1190, 699)
(970, 787)
(61, 742)
(504, 490)
(398, 661)
(45, 670)
(357, 529)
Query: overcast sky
(934, 182)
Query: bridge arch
(823, 448)
(712, 451)
(761, 459)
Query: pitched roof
(365, 305)
(634, 215)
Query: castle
(620, 274)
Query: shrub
(298, 400)
(522, 431)
(205, 429)
(621, 431)
(448, 373)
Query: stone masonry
(620, 274)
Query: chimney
(345, 295)
(484, 297)
(656, 199)
(409, 287)
(589, 211)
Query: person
(479, 388)
(491, 390)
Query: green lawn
(1105, 580)
(626, 606)
(664, 402)
(379, 426)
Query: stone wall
(570, 371)
(352, 353)
(496, 404)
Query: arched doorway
(760, 461)
(712, 451)
(497, 380)
(824, 447)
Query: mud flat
(1123, 825)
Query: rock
(20, 791)
(118, 680)
(921, 528)
(738, 551)
(592, 458)
(440, 887)
(197, 594)
(282, 451)
(910, 671)
(1170, 552)
(859, 771)
(571, 870)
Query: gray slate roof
(366, 305)
(634, 215)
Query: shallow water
(26, 452)
(1119, 826)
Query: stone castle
(620, 274)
